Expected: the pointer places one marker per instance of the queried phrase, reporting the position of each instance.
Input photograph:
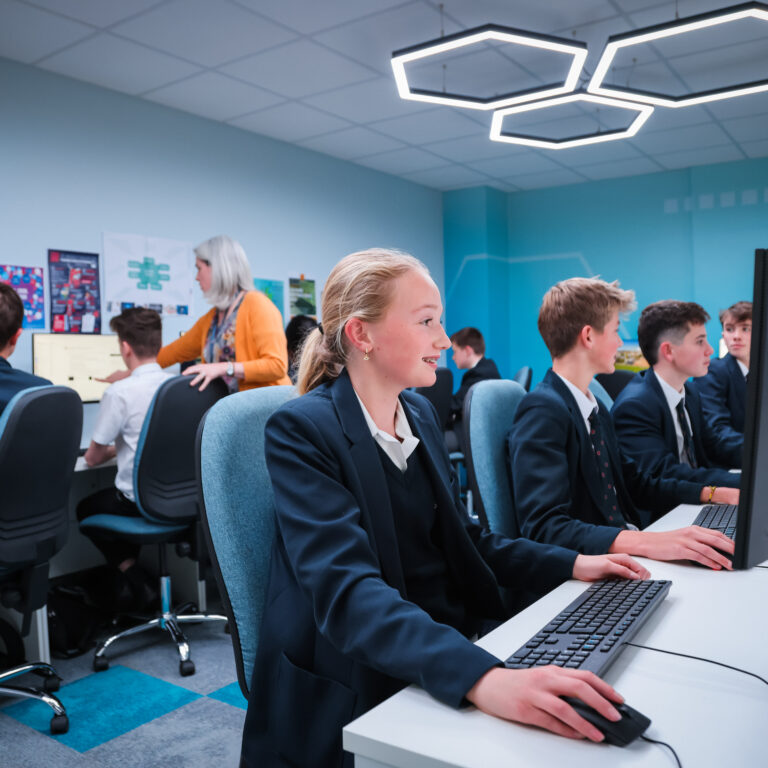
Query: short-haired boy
(723, 390)
(570, 484)
(658, 417)
(121, 416)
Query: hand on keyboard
(619, 566)
(691, 543)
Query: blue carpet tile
(104, 706)
(230, 694)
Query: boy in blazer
(658, 416)
(570, 484)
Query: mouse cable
(699, 658)
(664, 744)
(760, 566)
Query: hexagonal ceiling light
(644, 112)
(678, 27)
(488, 32)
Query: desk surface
(710, 715)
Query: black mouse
(621, 732)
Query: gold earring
(365, 356)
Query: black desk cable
(664, 744)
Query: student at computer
(12, 380)
(570, 485)
(378, 577)
(658, 417)
(123, 407)
(723, 390)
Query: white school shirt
(121, 416)
(743, 368)
(396, 450)
(587, 403)
(673, 397)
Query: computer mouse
(619, 733)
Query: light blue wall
(687, 234)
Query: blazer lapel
(670, 435)
(739, 388)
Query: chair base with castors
(51, 683)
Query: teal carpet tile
(103, 706)
(230, 694)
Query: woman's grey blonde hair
(230, 270)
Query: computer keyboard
(718, 517)
(591, 631)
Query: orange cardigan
(259, 342)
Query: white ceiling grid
(318, 74)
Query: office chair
(597, 389)
(614, 382)
(238, 511)
(40, 432)
(489, 410)
(439, 394)
(165, 489)
(523, 377)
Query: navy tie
(608, 491)
(689, 453)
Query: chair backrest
(238, 511)
(164, 470)
(598, 390)
(439, 394)
(489, 410)
(614, 382)
(40, 431)
(523, 377)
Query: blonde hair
(360, 285)
(230, 270)
(571, 304)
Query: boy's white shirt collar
(587, 403)
(743, 368)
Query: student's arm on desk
(98, 453)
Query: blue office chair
(165, 488)
(598, 390)
(40, 432)
(489, 410)
(524, 377)
(238, 511)
(614, 382)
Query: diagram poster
(28, 283)
(149, 272)
(302, 296)
(75, 295)
(273, 290)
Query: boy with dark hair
(658, 417)
(570, 484)
(121, 416)
(12, 380)
(723, 390)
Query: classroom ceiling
(317, 74)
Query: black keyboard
(718, 517)
(590, 633)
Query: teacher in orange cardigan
(241, 339)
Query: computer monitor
(75, 361)
(752, 521)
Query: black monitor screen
(752, 524)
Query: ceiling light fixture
(486, 33)
(644, 112)
(678, 27)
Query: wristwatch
(230, 368)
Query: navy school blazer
(13, 380)
(556, 489)
(646, 434)
(338, 633)
(723, 393)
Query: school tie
(610, 499)
(688, 455)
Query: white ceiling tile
(403, 161)
(756, 104)
(668, 119)
(366, 102)
(746, 129)
(475, 147)
(214, 96)
(755, 148)
(430, 125)
(529, 161)
(547, 179)
(664, 12)
(351, 143)
(308, 18)
(300, 68)
(290, 122)
(118, 64)
(27, 34)
(204, 32)
(100, 13)
(684, 159)
(449, 177)
(619, 168)
(690, 137)
(608, 151)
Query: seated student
(658, 417)
(121, 416)
(12, 380)
(378, 577)
(570, 484)
(723, 390)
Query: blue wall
(687, 234)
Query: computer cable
(664, 744)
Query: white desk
(710, 715)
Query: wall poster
(75, 295)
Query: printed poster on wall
(28, 283)
(75, 296)
(273, 290)
(149, 272)
(302, 296)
